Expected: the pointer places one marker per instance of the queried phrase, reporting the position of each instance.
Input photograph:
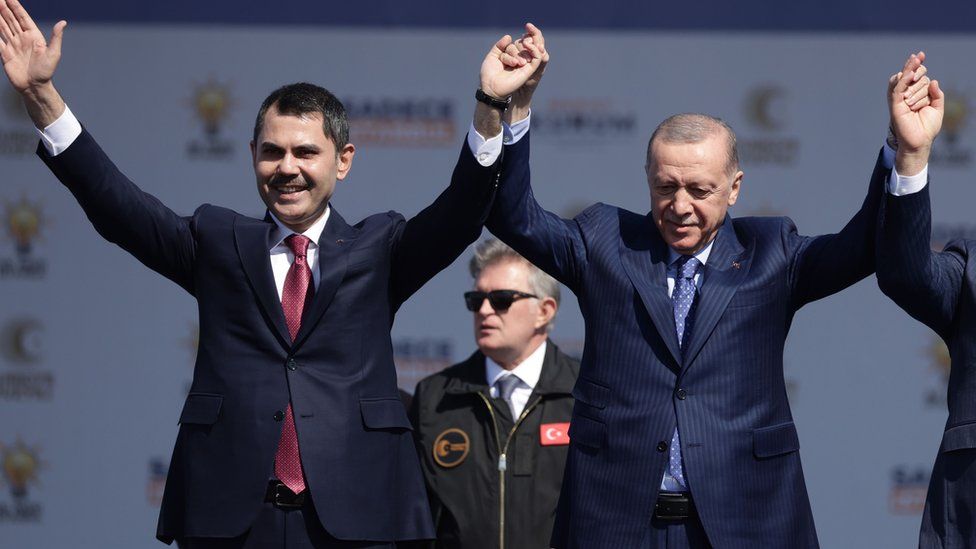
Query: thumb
(57, 36)
(937, 96)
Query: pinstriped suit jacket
(939, 289)
(727, 393)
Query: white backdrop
(96, 352)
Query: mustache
(289, 181)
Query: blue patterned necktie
(683, 302)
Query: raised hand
(916, 106)
(28, 59)
(509, 65)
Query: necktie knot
(506, 386)
(687, 266)
(298, 244)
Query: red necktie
(297, 292)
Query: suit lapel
(727, 267)
(644, 255)
(334, 243)
(252, 238)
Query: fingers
(510, 57)
(536, 34)
(921, 104)
(502, 43)
(917, 91)
(6, 33)
(10, 19)
(24, 18)
(920, 72)
(907, 75)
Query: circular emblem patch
(451, 447)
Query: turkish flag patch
(554, 434)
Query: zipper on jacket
(503, 459)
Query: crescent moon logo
(20, 341)
(552, 434)
(764, 107)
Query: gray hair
(695, 128)
(493, 251)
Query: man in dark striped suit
(682, 434)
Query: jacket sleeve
(431, 240)
(823, 265)
(122, 213)
(554, 244)
(924, 283)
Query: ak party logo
(23, 222)
(212, 103)
(950, 148)
(21, 466)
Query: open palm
(28, 59)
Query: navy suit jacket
(726, 392)
(939, 289)
(357, 451)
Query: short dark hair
(695, 128)
(303, 98)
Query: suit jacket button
(681, 394)
(292, 365)
(662, 446)
(279, 415)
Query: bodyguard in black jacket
(492, 430)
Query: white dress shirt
(528, 373)
(282, 258)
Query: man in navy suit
(293, 434)
(938, 289)
(682, 434)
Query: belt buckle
(672, 507)
(284, 498)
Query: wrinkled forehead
(687, 162)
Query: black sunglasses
(500, 300)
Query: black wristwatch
(493, 102)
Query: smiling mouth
(290, 189)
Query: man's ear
(736, 184)
(547, 311)
(344, 161)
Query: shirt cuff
(61, 133)
(900, 185)
(486, 151)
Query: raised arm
(924, 283)
(826, 264)
(545, 239)
(436, 236)
(120, 212)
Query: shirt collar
(701, 256)
(313, 233)
(528, 371)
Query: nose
(681, 204)
(288, 165)
(485, 308)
